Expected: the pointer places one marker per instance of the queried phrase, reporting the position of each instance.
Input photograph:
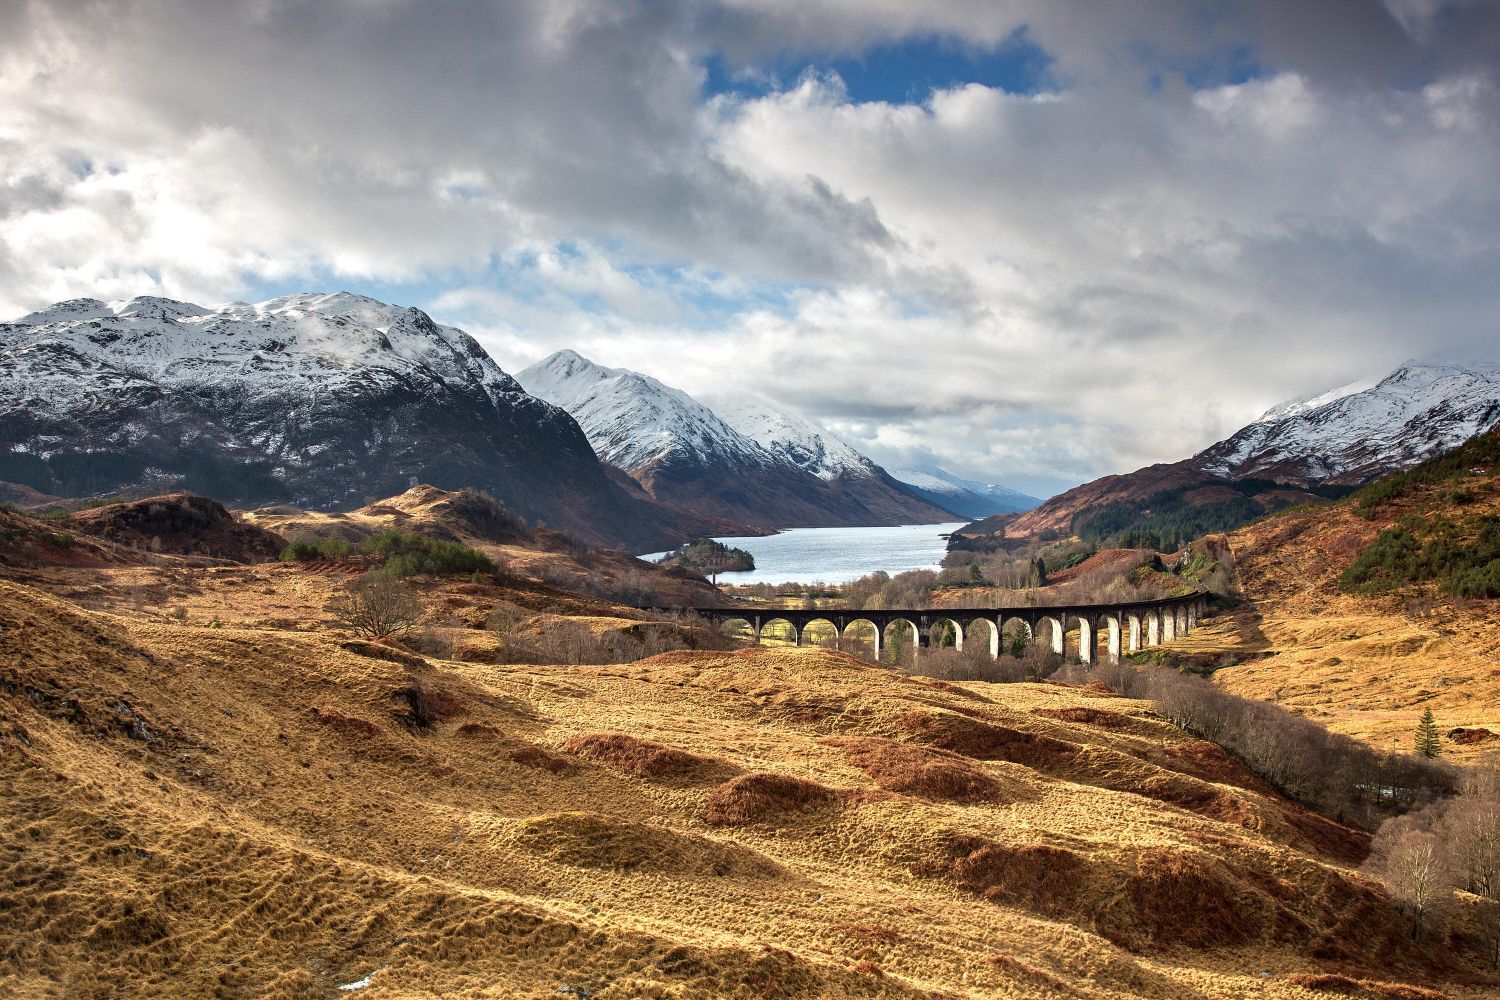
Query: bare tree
(376, 605)
(1471, 828)
(1411, 862)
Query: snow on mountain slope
(632, 420)
(793, 438)
(322, 399)
(744, 459)
(1343, 437)
(1361, 431)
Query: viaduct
(1125, 628)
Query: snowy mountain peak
(632, 420)
(1364, 429)
(742, 458)
(966, 496)
(794, 438)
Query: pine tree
(1427, 736)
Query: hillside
(1296, 452)
(751, 463)
(1363, 659)
(248, 808)
(319, 400)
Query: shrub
(309, 550)
(406, 554)
(377, 605)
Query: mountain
(1303, 450)
(965, 496)
(323, 400)
(749, 463)
(1357, 433)
(815, 450)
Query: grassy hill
(212, 790)
(1362, 613)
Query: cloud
(1206, 208)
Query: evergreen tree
(1427, 736)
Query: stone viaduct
(1119, 628)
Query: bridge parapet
(1125, 627)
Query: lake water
(838, 555)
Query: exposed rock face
(753, 464)
(320, 400)
(180, 523)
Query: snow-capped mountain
(965, 496)
(795, 439)
(319, 399)
(743, 460)
(632, 420)
(1343, 437)
(1360, 431)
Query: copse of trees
(1463, 557)
(1442, 864)
(311, 550)
(400, 553)
(1337, 775)
(710, 557)
(1481, 452)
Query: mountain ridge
(757, 464)
(321, 399)
(1322, 443)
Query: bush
(405, 554)
(1462, 556)
(310, 550)
(377, 605)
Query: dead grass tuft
(985, 741)
(922, 771)
(879, 933)
(1327, 982)
(1090, 717)
(1178, 898)
(593, 840)
(1040, 877)
(633, 755)
(535, 756)
(751, 798)
(480, 729)
(426, 704)
(345, 723)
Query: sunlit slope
(222, 811)
(1367, 665)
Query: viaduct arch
(1127, 628)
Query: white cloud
(1116, 271)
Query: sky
(1032, 241)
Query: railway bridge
(1103, 629)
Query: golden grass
(1365, 666)
(180, 821)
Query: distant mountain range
(320, 400)
(1298, 451)
(743, 459)
(965, 497)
